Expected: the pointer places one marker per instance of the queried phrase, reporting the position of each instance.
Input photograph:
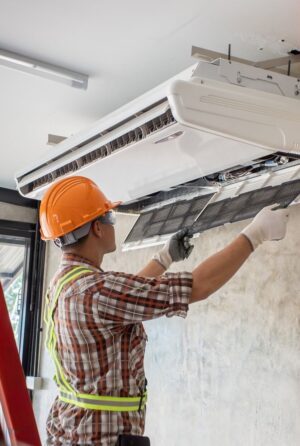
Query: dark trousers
(133, 440)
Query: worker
(94, 318)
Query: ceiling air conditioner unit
(212, 145)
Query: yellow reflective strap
(49, 308)
(112, 399)
(97, 407)
(51, 340)
(59, 374)
(71, 275)
(46, 314)
(67, 278)
(50, 326)
(108, 403)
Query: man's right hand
(269, 224)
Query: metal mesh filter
(246, 205)
(167, 219)
(173, 217)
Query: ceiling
(126, 48)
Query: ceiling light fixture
(42, 69)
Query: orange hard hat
(69, 204)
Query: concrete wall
(230, 373)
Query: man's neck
(92, 255)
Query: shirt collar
(69, 259)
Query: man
(94, 318)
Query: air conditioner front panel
(255, 117)
(167, 158)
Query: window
(13, 252)
(21, 275)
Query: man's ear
(97, 229)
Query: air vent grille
(170, 218)
(246, 205)
(125, 140)
(167, 219)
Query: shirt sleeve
(130, 299)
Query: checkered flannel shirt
(101, 343)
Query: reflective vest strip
(111, 399)
(108, 403)
(60, 378)
(50, 308)
(50, 337)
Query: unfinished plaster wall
(229, 374)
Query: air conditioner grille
(167, 219)
(125, 140)
(173, 217)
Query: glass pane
(12, 256)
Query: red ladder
(17, 422)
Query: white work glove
(269, 224)
(177, 248)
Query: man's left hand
(177, 248)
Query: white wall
(230, 373)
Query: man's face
(108, 241)
(105, 231)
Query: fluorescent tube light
(42, 69)
(12, 60)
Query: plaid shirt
(101, 343)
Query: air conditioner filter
(167, 219)
(173, 217)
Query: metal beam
(272, 64)
(209, 56)
(13, 197)
(12, 241)
(278, 62)
(6, 275)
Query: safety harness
(66, 392)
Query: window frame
(34, 260)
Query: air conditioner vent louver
(128, 138)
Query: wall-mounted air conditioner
(198, 139)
